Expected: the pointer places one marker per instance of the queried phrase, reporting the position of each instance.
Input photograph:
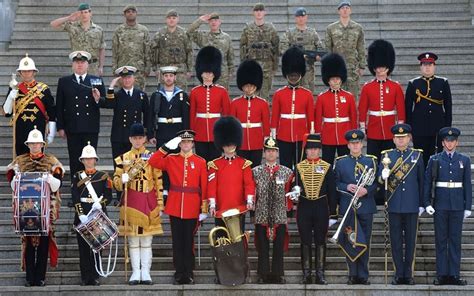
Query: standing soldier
(260, 42)
(91, 190)
(428, 106)
(348, 170)
(23, 102)
(404, 201)
(84, 36)
(252, 111)
(346, 37)
(381, 100)
(171, 47)
(130, 46)
(308, 40)
(452, 202)
(187, 201)
(272, 182)
(292, 109)
(209, 102)
(217, 38)
(335, 111)
(141, 205)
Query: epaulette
(385, 151)
(236, 98)
(302, 87)
(212, 165)
(341, 157)
(197, 86)
(441, 77)
(372, 156)
(118, 160)
(257, 97)
(41, 86)
(199, 157)
(247, 163)
(218, 85)
(413, 80)
(281, 88)
(417, 149)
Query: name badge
(343, 99)
(319, 169)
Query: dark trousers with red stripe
(263, 249)
(182, 234)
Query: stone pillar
(7, 19)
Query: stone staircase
(443, 26)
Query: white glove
(430, 210)
(385, 174)
(173, 143)
(249, 199)
(53, 182)
(52, 131)
(467, 213)
(125, 178)
(83, 218)
(161, 213)
(13, 83)
(8, 105)
(96, 206)
(12, 184)
(202, 217)
(212, 203)
(421, 210)
(332, 222)
(294, 194)
(273, 133)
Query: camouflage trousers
(308, 79)
(268, 73)
(352, 84)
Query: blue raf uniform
(449, 172)
(404, 202)
(348, 169)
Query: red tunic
(254, 114)
(292, 113)
(384, 104)
(208, 104)
(188, 182)
(334, 115)
(230, 183)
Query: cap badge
(400, 129)
(271, 142)
(450, 132)
(79, 55)
(427, 55)
(25, 63)
(354, 135)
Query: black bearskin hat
(209, 59)
(249, 72)
(293, 61)
(227, 131)
(381, 54)
(333, 65)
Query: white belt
(170, 120)
(293, 116)
(208, 115)
(382, 113)
(251, 125)
(336, 119)
(87, 199)
(449, 184)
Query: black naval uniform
(83, 203)
(78, 114)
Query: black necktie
(450, 156)
(128, 93)
(81, 81)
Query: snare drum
(98, 231)
(31, 203)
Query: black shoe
(133, 283)
(148, 283)
(409, 281)
(217, 281)
(307, 279)
(396, 281)
(177, 281)
(41, 284)
(440, 280)
(352, 280)
(458, 281)
(363, 281)
(83, 283)
(28, 284)
(279, 280)
(190, 281)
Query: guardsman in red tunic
(381, 103)
(292, 108)
(231, 184)
(186, 202)
(209, 101)
(252, 111)
(335, 111)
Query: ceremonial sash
(34, 94)
(400, 171)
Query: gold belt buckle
(338, 119)
(382, 113)
(208, 115)
(248, 125)
(450, 184)
(169, 120)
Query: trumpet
(367, 178)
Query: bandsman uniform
(335, 112)
(252, 111)
(448, 175)
(428, 106)
(382, 103)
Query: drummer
(91, 190)
(35, 248)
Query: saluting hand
(74, 16)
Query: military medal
(319, 169)
(387, 90)
(279, 181)
(413, 159)
(343, 99)
(192, 165)
(461, 164)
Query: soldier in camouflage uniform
(308, 40)
(84, 36)
(130, 46)
(260, 42)
(346, 38)
(171, 47)
(217, 38)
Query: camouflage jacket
(347, 41)
(260, 43)
(307, 39)
(130, 47)
(91, 40)
(172, 48)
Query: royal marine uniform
(348, 170)
(404, 199)
(187, 199)
(131, 46)
(252, 111)
(208, 103)
(219, 40)
(292, 110)
(450, 175)
(335, 112)
(428, 106)
(173, 49)
(261, 43)
(87, 185)
(34, 106)
(308, 40)
(381, 103)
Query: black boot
(306, 264)
(320, 258)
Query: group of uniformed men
(242, 131)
